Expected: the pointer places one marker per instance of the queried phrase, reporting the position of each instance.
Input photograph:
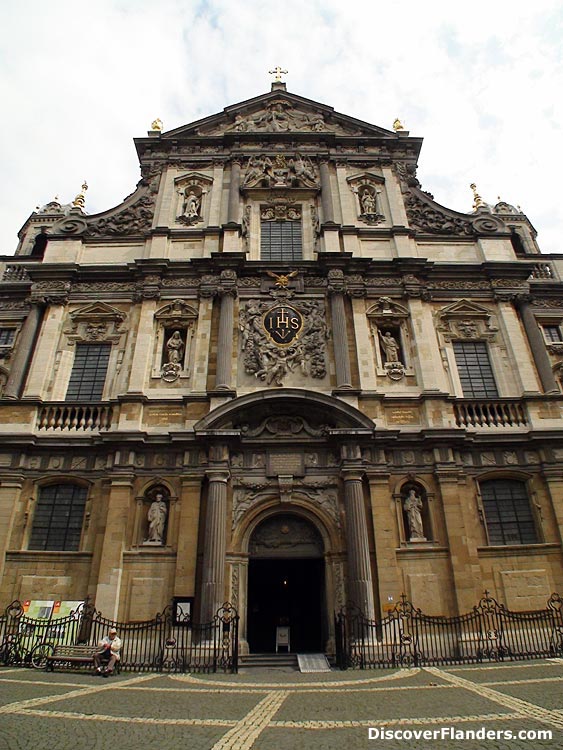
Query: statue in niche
(368, 202)
(413, 508)
(175, 349)
(157, 519)
(191, 205)
(390, 347)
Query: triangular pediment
(465, 308)
(98, 311)
(279, 111)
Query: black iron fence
(408, 637)
(168, 643)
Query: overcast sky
(481, 82)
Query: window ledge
(510, 550)
(33, 555)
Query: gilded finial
(278, 73)
(477, 200)
(157, 124)
(397, 125)
(80, 200)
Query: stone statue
(390, 347)
(413, 508)
(157, 519)
(368, 202)
(191, 206)
(175, 349)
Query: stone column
(339, 328)
(539, 351)
(227, 292)
(215, 545)
(23, 352)
(108, 590)
(360, 585)
(234, 193)
(326, 193)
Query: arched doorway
(286, 584)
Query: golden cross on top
(278, 72)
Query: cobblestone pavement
(284, 709)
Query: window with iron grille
(508, 514)
(7, 336)
(57, 522)
(281, 241)
(88, 375)
(552, 334)
(474, 369)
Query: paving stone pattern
(266, 710)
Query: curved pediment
(285, 414)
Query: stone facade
(284, 409)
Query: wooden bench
(74, 656)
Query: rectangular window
(281, 241)
(7, 336)
(552, 334)
(57, 522)
(474, 368)
(507, 512)
(88, 375)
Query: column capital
(218, 475)
(352, 474)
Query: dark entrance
(286, 585)
(286, 591)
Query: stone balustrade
(497, 413)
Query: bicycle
(12, 652)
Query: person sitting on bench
(104, 660)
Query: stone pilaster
(188, 524)
(23, 352)
(554, 482)
(537, 345)
(339, 329)
(326, 193)
(234, 193)
(108, 590)
(462, 522)
(360, 584)
(43, 360)
(10, 490)
(142, 355)
(215, 544)
(227, 292)
(386, 537)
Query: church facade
(280, 374)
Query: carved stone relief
(280, 116)
(286, 534)
(96, 322)
(465, 320)
(135, 219)
(281, 171)
(302, 324)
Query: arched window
(59, 513)
(508, 514)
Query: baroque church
(280, 374)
